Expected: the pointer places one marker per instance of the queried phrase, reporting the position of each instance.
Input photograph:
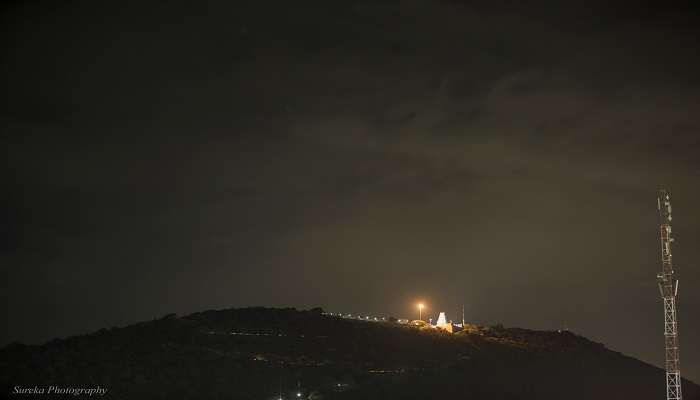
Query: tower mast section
(668, 286)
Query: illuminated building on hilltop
(444, 324)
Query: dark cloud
(356, 156)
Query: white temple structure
(442, 320)
(444, 324)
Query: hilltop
(256, 353)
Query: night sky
(354, 155)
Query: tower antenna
(668, 286)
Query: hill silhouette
(260, 353)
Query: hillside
(256, 353)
